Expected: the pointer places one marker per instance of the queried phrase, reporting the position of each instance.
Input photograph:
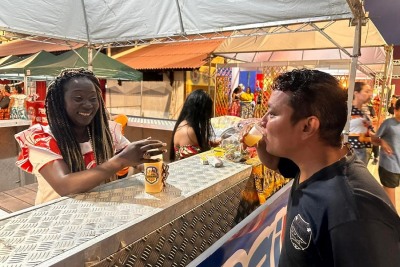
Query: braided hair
(61, 127)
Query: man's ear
(310, 126)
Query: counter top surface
(151, 123)
(50, 232)
(12, 123)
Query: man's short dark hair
(316, 93)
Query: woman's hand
(140, 152)
(59, 176)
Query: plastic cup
(153, 177)
(254, 135)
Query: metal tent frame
(183, 20)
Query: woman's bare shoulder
(185, 135)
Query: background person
(376, 103)
(7, 89)
(234, 109)
(258, 96)
(193, 132)
(392, 103)
(337, 214)
(369, 110)
(4, 99)
(389, 164)
(17, 105)
(79, 149)
(241, 88)
(360, 125)
(247, 104)
(247, 95)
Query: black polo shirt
(340, 217)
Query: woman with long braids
(193, 132)
(80, 148)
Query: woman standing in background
(361, 128)
(234, 109)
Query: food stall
(119, 224)
(9, 153)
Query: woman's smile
(85, 114)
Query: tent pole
(330, 39)
(26, 86)
(109, 99)
(385, 80)
(89, 45)
(180, 17)
(141, 99)
(216, 88)
(90, 58)
(209, 75)
(209, 84)
(353, 72)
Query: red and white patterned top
(39, 147)
(182, 152)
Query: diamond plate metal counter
(151, 123)
(88, 227)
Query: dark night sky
(386, 16)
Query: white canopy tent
(370, 63)
(332, 41)
(262, 29)
(134, 22)
(318, 35)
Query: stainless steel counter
(13, 123)
(151, 123)
(89, 227)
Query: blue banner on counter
(255, 241)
